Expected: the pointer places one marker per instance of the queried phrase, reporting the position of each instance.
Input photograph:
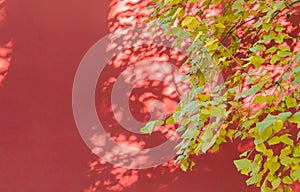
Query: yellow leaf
(190, 22)
(257, 61)
(290, 102)
(295, 119)
(174, 2)
(259, 99)
(277, 126)
(220, 25)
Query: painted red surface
(40, 147)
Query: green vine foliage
(245, 38)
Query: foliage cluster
(244, 39)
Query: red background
(40, 147)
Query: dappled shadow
(41, 148)
(127, 13)
(6, 43)
(125, 71)
(123, 15)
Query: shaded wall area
(6, 43)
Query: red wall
(40, 147)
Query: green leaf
(179, 12)
(287, 188)
(267, 122)
(284, 53)
(287, 180)
(284, 116)
(174, 2)
(284, 48)
(279, 5)
(218, 111)
(261, 148)
(170, 120)
(266, 133)
(279, 28)
(257, 48)
(266, 27)
(220, 25)
(252, 91)
(150, 126)
(184, 165)
(192, 165)
(297, 151)
(276, 183)
(295, 119)
(257, 61)
(255, 178)
(277, 126)
(286, 140)
(190, 22)
(266, 189)
(274, 166)
(275, 140)
(208, 134)
(242, 164)
(285, 151)
(267, 38)
(296, 174)
(259, 100)
(271, 50)
(275, 59)
(190, 133)
(258, 24)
